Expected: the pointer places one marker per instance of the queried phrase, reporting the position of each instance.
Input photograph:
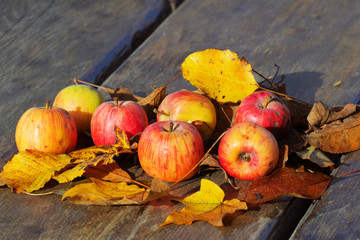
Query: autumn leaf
(30, 170)
(315, 155)
(286, 182)
(320, 114)
(107, 172)
(220, 74)
(110, 193)
(337, 137)
(94, 155)
(105, 193)
(205, 205)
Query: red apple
(129, 116)
(47, 129)
(80, 101)
(267, 110)
(189, 107)
(248, 151)
(168, 150)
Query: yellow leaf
(91, 156)
(220, 74)
(209, 197)
(29, 170)
(205, 205)
(105, 193)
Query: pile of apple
(170, 148)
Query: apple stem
(268, 100)
(244, 156)
(162, 113)
(76, 81)
(116, 100)
(47, 104)
(171, 126)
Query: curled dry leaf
(320, 114)
(315, 155)
(30, 170)
(337, 137)
(286, 182)
(107, 172)
(205, 205)
(220, 74)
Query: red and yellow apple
(80, 101)
(267, 110)
(189, 107)
(248, 151)
(129, 116)
(169, 150)
(47, 129)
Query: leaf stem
(345, 174)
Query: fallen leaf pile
(114, 177)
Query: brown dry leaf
(320, 114)
(158, 189)
(107, 172)
(205, 205)
(220, 74)
(337, 137)
(93, 155)
(287, 182)
(315, 155)
(30, 170)
(105, 193)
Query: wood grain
(313, 46)
(44, 44)
(337, 214)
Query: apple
(47, 129)
(129, 116)
(80, 101)
(248, 151)
(169, 150)
(189, 107)
(267, 110)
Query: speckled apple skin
(254, 140)
(275, 117)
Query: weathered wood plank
(43, 44)
(314, 45)
(337, 214)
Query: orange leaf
(30, 170)
(107, 172)
(337, 137)
(205, 205)
(105, 193)
(287, 182)
(220, 74)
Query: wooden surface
(44, 44)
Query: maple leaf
(220, 74)
(92, 156)
(30, 170)
(287, 182)
(205, 205)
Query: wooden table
(137, 44)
